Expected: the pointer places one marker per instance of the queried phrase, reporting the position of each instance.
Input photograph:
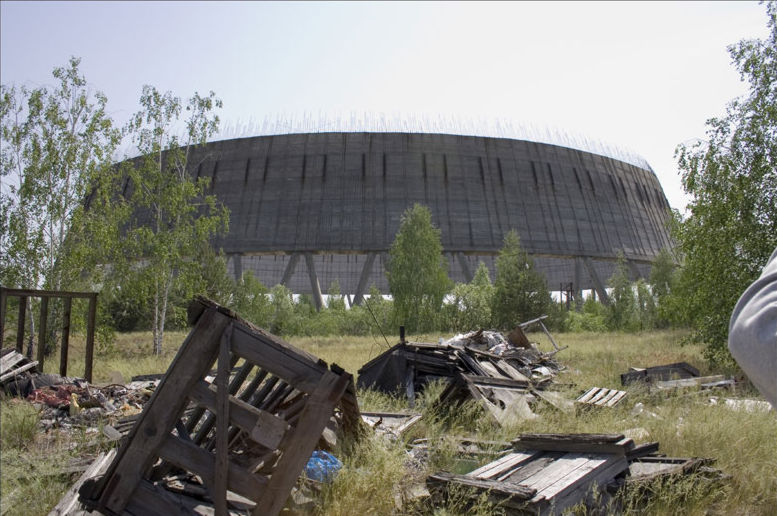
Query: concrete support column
(598, 285)
(578, 283)
(464, 267)
(318, 299)
(364, 278)
(237, 266)
(289, 271)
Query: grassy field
(377, 472)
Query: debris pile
(547, 473)
(236, 443)
(504, 373)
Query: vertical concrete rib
(314, 284)
(364, 278)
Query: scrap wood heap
(504, 373)
(237, 443)
(547, 473)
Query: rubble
(548, 473)
(238, 442)
(503, 373)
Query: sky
(637, 76)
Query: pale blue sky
(644, 76)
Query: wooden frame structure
(45, 295)
(250, 432)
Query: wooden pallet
(545, 473)
(601, 397)
(250, 432)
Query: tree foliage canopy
(520, 291)
(417, 272)
(731, 226)
(54, 144)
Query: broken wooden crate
(250, 432)
(601, 397)
(545, 473)
(13, 365)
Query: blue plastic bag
(322, 466)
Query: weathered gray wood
(20, 324)
(43, 332)
(67, 304)
(91, 320)
(10, 360)
(18, 370)
(616, 399)
(69, 503)
(301, 442)
(262, 427)
(201, 462)
(592, 443)
(194, 359)
(499, 467)
(278, 358)
(222, 425)
(507, 493)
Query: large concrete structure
(309, 209)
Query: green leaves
(520, 291)
(417, 272)
(731, 228)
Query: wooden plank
(262, 427)
(152, 500)
(67, 304)
(69, 502)
(499, 466)
(496, 382)
(43, 332)
(194, 359)
(599, 395)
(512, 372)
(506, 492)
(201, 462)
(592, 443)
(278, 358)
(541, 461)
(91, 319)
(588, 395)
(301, 441)
(45, 293)
(577, 490)
(18, 370)
(555, 471)
(616, 399)
(491, 369)
(10, 360)
(572, 467)
(222, 425)
(610, 394)
(20, 325)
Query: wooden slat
(588, 395)
(599, 395)
(262, 427)
(18, 370)
(591, 443)
(222, 428)
(10, 361)
(194, 359)
(541, 461)
(610, 394)
(301, 441)
(69, 503)
(201, 462)
(616, 399)
(576, 490)
(278, 358)
(497, 467)
(512, 372)
(557, 476)
(510, 492)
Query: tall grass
(378, 474)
